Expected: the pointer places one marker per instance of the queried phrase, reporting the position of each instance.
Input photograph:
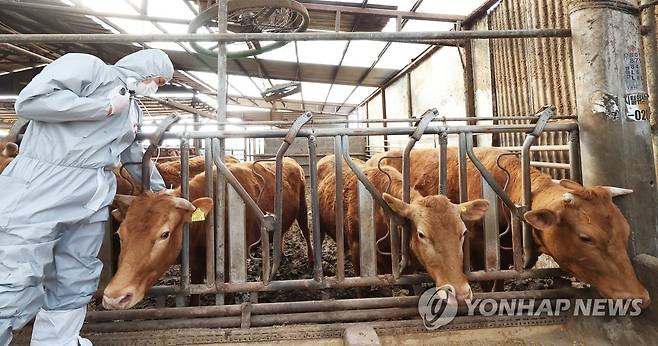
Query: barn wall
(438, 83)
(531, 73)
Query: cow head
(587, 235)
(437, 238)
(7, 154)
(151, 235)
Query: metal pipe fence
(236, 280)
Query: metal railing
(239, 200)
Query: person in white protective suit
(54, 196)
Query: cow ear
(571, 185)
(473, 210)
(10, 149)
(541, 219)
(122, 202)
(118, 215)
(398, 206)
(202, 207)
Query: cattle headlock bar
(304, 36)
(449, 130)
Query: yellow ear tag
(462, 208)
(198, 215)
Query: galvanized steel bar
(303, 36)
(313, 306)
(210, 221)
(395, 249)
(529, 247)
(235, 183)
(352, 282)
(377, 196)
(237, 230)
(372, 131)
(516, 223)
(414, 137)
(443, 164)
(372, 121)
(278, 188)
(575, 170)
(491, 230)
(487, 175)
(220, 193)
(315, 209)
(185, 192)
(340, 236)
(367, 233)
(463, 197)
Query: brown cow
(151, 228)
(8, 151)
(170, 172)
(579, 227)
(437, 226)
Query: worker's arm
(134, 154)
(62, 91)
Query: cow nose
(118, 303)
(643, 295)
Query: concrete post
(612, 103)
(651, 55)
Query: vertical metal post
(650, 48)
(185, 192)
(210, 221)
(443, 164)
(367, 253)
(463, 196)
(491, 232)
(529, 248)
(315, 209)
(517, 241)
(340, 238)
(395, 249)
(575, 169)
(615, 134)
(237, 237)
(220, 201)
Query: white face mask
(146, 89)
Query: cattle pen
(567, 88)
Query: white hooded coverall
(55, 194)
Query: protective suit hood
(147, 63)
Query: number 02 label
(637, 107)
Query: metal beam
(437, 17)
(73, 10)
(303, 36)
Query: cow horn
(124, 199)
(182, 203)
(10, 149)
(617, 191)
(568, 198)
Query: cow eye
(585, 238)
(421, 235)
(164, 235)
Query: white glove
(118, 102)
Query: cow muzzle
(121, 302)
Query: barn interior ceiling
(335, 76)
